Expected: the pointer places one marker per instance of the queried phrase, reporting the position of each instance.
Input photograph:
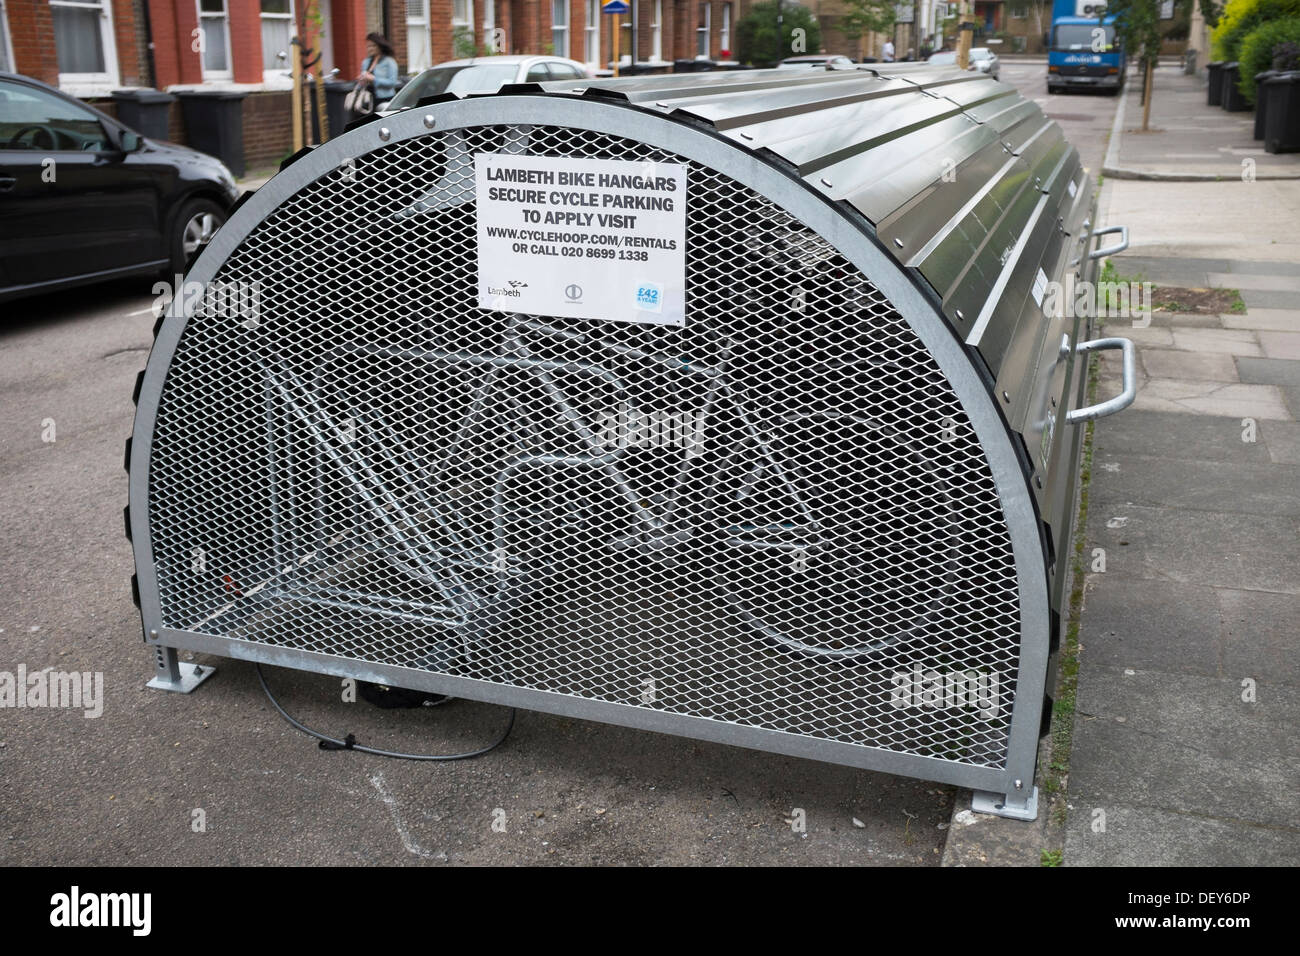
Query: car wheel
(196, 223)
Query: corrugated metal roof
(953, 169)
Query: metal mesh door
(777, 516)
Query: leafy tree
(1240, 17)
(758, 41)
(1260, 48)
(867, 16)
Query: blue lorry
(1083, 50)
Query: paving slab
(1277, 283)
(1164, 320)
(1174, 436)
(1280, 345)
(1202, 366)
(1282, 439)
(1234, 220)
(1232, 341)
(1150, 336)
(1198, 397)
(1187, 743)
(1178, 630)
(1269, 371)
(1210, 487)
(1291, 394)
(1154, 836)
(1255, 267)
(1279, 320)
(1259, 634)
(1193, 547)
(1263, 299)
(1164, 270)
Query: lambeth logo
(649, 297)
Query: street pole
(617, 29)
(964, 30)
(780, 30)
(632, 58)
(295, 64)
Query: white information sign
(582, 238)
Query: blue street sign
(615, 6)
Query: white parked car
(485, 74)
(985, 60)
(981, 58)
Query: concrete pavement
(1187, 139)
(1184, 745)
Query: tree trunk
(1146, 106)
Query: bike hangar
(806, 486)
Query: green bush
(1240, 17)
(757, 41)
(1256, 51)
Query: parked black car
(84, 198)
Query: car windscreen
(472, 78)
(978, 54)
(1079, 36)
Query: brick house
(89, 47)
(92, 47)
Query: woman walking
(379, 69)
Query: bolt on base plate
(190, 677)
(997, 804)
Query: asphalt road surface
(218, 777)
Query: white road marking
(408, 841)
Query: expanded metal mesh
(777, 516)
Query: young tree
(1137, 23)
(866, 16)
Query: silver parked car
(985, 60)
(815, 61)
(485, 74)
(981, 58)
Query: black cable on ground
(350, 743)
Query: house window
(490, 28)
(462, 29)
(724, 35)
(418, 54)
(1019, 9)
(657, 32)
(560, 27)
(277, 31)
(591, 49)
(83, 40)
(702, 33)
(214, 50)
